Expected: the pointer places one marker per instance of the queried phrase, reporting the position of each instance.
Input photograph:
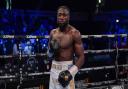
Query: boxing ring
(36, 66)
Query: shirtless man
(64, 42)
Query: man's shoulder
(54, 30)
(74, 30)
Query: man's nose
(61, 16)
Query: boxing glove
(53, 48)
(64, 78)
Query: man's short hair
(64, 7)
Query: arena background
(38, 17)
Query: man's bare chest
(64, 40)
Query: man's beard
(62, 26)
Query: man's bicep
(50, 37)
(79, 50)
(78, 43)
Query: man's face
(62, 16)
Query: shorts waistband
(62, 62)
(61, 65)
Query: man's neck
(66, 29)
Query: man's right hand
(54, 45)
(53, 48)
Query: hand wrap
(53, 48)
(66, 76)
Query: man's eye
(59, 15)
(64, 14)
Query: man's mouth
(61, 21)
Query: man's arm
(53, 45)
(50, 37)
(79, 49)
(49, 51)
(66, 76)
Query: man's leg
(71, 84)
(51, 83)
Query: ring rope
(12, 56)
(103, 67)
(105, 50)
(83, 69)
(83, 85)
(86, 52)
(105, 35)
(47, 36)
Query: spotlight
(99, 5)
(8, 4)
(99, 1)
(44, 45)
(117, 20)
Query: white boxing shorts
(56, 68)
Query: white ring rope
(105, 35)
(102, 67)
(12, 56)
(83, 85)
(86, 52)
(47, 36)
(105, 50)
(83, 69)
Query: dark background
(84, 14)
(38, 17)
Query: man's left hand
(64, 78)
